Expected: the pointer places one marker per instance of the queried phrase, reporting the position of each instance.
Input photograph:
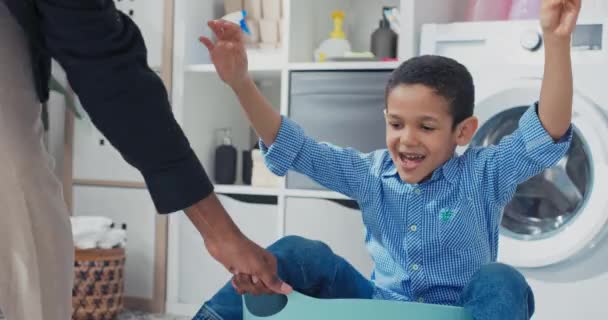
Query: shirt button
(415, 267)
(417, 191)
(421, 299)
(413, 228)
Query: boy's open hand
(558, 17)
(228, 52)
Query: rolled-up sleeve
(539, 145)
(519, 156)
(340, 169)
(280, 156)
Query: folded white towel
(113, 238)
(88, 224)
(86, 243)
(91, 232)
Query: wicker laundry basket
(98, 284)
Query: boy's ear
(466, 130)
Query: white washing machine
(555, 228)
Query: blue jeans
(496, 291)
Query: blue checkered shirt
(427, 239)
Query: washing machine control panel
(531, 40)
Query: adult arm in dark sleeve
(104, 56)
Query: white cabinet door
(96, 159)
(135, 208)
(199, 276)
(148, 15)
(336, 225)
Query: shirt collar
(449, 170)
(391, 170)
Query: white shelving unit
(203, 104)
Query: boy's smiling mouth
(410, 161)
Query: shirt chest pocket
(458, 227)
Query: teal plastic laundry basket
(297, 306)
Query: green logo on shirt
(446, 214)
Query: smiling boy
(431, 216)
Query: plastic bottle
(384, 41)
(225, 160)
(238, 17)
(337, 45)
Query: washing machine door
(561, 211)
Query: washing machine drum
(559, 212)
(549, 201)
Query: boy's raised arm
(558, 20)
(286, 147)
(230, 60)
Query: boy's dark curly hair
(447, 77)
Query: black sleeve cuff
(179, 186)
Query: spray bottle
(238, 17)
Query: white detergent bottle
(336, 46)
